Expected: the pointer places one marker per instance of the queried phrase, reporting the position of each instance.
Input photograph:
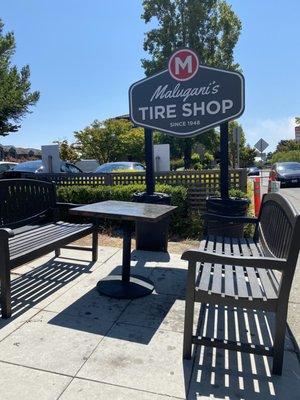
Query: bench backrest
(279, 227)
(279, 235)
(24, 201)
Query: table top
(124, 210)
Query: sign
(50, 158)
(261, 145)
(187, 98)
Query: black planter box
(230, 207)
(152, 236)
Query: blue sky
(84, 56)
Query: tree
(15, 96)
(210, 27)
(111, 140)
(247, 156)
(68, 151)
(287, 145)
(281, 156)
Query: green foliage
(247, 156)
(111, 140)
(68, 152)
(15, 96)
(281, 156)
(177, 163)
(210, 27)
(287, 145)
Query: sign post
(224, 181)
(150, 179)
(185, 100)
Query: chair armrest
(6, 233)
(215, 258)
(228, 218)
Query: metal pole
(238, 137)
(224, 176)
(150, 180)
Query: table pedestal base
(114, 286)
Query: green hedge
(181, 224)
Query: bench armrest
(6, 233)
(67, 206)
(215, 258)
(228, 218)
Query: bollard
(257, 199)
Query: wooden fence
(200, 184)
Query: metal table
(125, 286)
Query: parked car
(36, 167)
(117, 166)
(253, 171)
(6, 166)
(288, 173)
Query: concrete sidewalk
(67, 342)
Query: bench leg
(189, 312)
(280, 328)
(57, 252)
(95, 244)
(5, 291)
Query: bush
(282, 156)
(178, 163)
(180, 221)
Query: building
(18, 153)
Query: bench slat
(229, 284)
(217, 279)
(58, 232)
(44, 237)
(205, 277)
(242, 290)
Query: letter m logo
(187, 63)
(183, 64)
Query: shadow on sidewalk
(31, 288)
(230, 375)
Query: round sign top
(183, 64)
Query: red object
(183, 64)
(257, 199)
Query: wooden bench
(30, 228)
(240, 272)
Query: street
(293, 194)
